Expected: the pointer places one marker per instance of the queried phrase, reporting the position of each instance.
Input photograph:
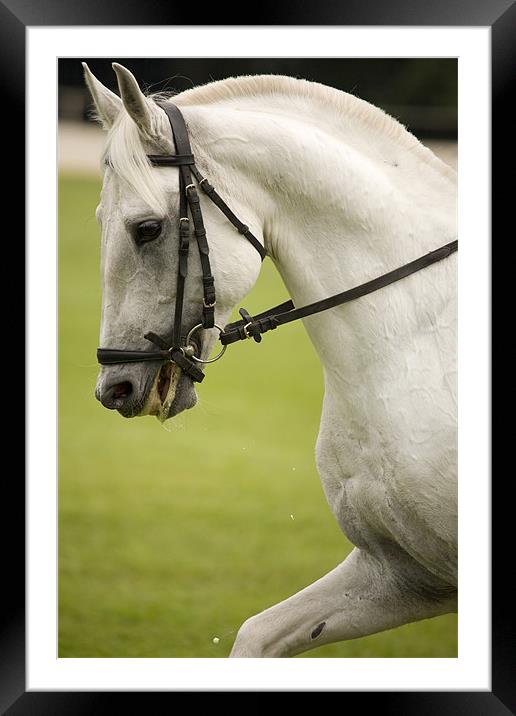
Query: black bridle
(181, 351)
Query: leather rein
(180, 349)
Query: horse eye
(148, 231)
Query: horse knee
(249, 642)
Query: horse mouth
(171, 392)
(164, 377)
(162, 392)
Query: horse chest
(378, 501)
(353, 484)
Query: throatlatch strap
(242, 228)
(277, 316)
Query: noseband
(182, 350)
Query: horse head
(139, 215)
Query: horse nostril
(122, 390)
(114, 396)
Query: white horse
(339, 193)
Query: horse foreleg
(361, 596)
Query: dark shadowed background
(420, 93)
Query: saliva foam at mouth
(171, 392)
(154, 405)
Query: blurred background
(170, 536)
(420, 93)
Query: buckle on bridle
(247, 326)
(208, 305)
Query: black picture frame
(15, 17)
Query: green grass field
(172, 535)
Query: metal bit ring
(200, 360)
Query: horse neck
(339, 204)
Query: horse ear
(107, 103)
(135, 102)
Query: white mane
(126, 154)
